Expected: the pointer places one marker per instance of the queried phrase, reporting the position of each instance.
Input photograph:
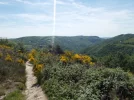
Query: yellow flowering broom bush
(1, 55)
(69, 57)
(8, 58)
(31, 56)
(38, 68)
(20, 61)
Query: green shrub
(20, 86)
(11, 71)
(76, 82)
(16, 95)
(121, 60)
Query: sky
(104, 18)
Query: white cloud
(72, 18)
(35, 17)
(93, 21)
(33, 3)
(3, 3)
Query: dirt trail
(33, 92)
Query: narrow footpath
(33, 92)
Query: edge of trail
(33, 92)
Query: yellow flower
(5, 47)
(8, 58)
(32, 56)
(20, 61)
(92, 64)
(77, 58)
(38, 68)
(33, 52)
(69, 57)
(68, 54)
(86, 59)
(64, 59)
(1, 55)
(32, 59)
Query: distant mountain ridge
(122, 43)
(91, 45)
(73, 43)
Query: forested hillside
(76, 43)
(114, 52)
(121, 43)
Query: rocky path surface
(33, 92)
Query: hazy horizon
(62, 36)
(103, 18)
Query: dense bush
(16, 95)
(73, 77)
(11, 65)
(69, 58)
(121, 60)
(40, 59)
(77, 82)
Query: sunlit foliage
(69, 57)
(1, 54)
(8, 58)
(20, 61)
(31, 56)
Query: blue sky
(104, 18)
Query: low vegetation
(119, 60)
(65, 75)
(15, 95)
(71, 76)
(12, 69)
(75, 82)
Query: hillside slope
(12, 71)
(75, 43)
(122, 43)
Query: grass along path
(33, 92)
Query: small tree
(58, 50)
(55, 49)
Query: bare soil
(33, 91)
